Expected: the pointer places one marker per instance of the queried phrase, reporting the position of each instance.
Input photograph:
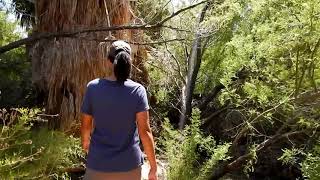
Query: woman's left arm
(86, 128)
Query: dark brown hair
(121, 60)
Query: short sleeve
(86, 107)
(142, 100)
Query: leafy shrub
(27, 152)
(183, 150)
(311, 165)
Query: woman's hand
(152, 175)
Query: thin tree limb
(176, 29)
(246, 128)
(36, 37)
(137, 43)
(178, 65)
(180, 11)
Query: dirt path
(161, 170)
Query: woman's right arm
(86, 120)
(147, 141)
(86, 128)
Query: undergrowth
(28, 152)
(311, 165)
(184, 151)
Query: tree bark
(194, 62)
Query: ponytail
(122, 66)
(120, 56)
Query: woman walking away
(116, 109)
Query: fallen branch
(207, 120)
(244, 130)
(240, 161)
(208, 98)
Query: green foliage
(182, 150)
(28, 152)
(15, 70)
(271, 59)
(219, 23)
(249, 166)
(276, 44)
(151, 12)
(218, 154)
(311, 165)
(272, 67)
(289, 156)
(266, 54)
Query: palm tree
(62, 67)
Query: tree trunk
(194, 62)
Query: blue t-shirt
(114, 145)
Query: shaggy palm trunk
(63, 66)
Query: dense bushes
(258, 80)
(185, 151)
(29, 152)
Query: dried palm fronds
(63, 66)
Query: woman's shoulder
(95, 83)
(134, 84)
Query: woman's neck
(111, 77)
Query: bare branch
(180, 11)
(176, 29)
(162, 9)
(246, 128)
(178, 64)
(135, 43)
(50, 35)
